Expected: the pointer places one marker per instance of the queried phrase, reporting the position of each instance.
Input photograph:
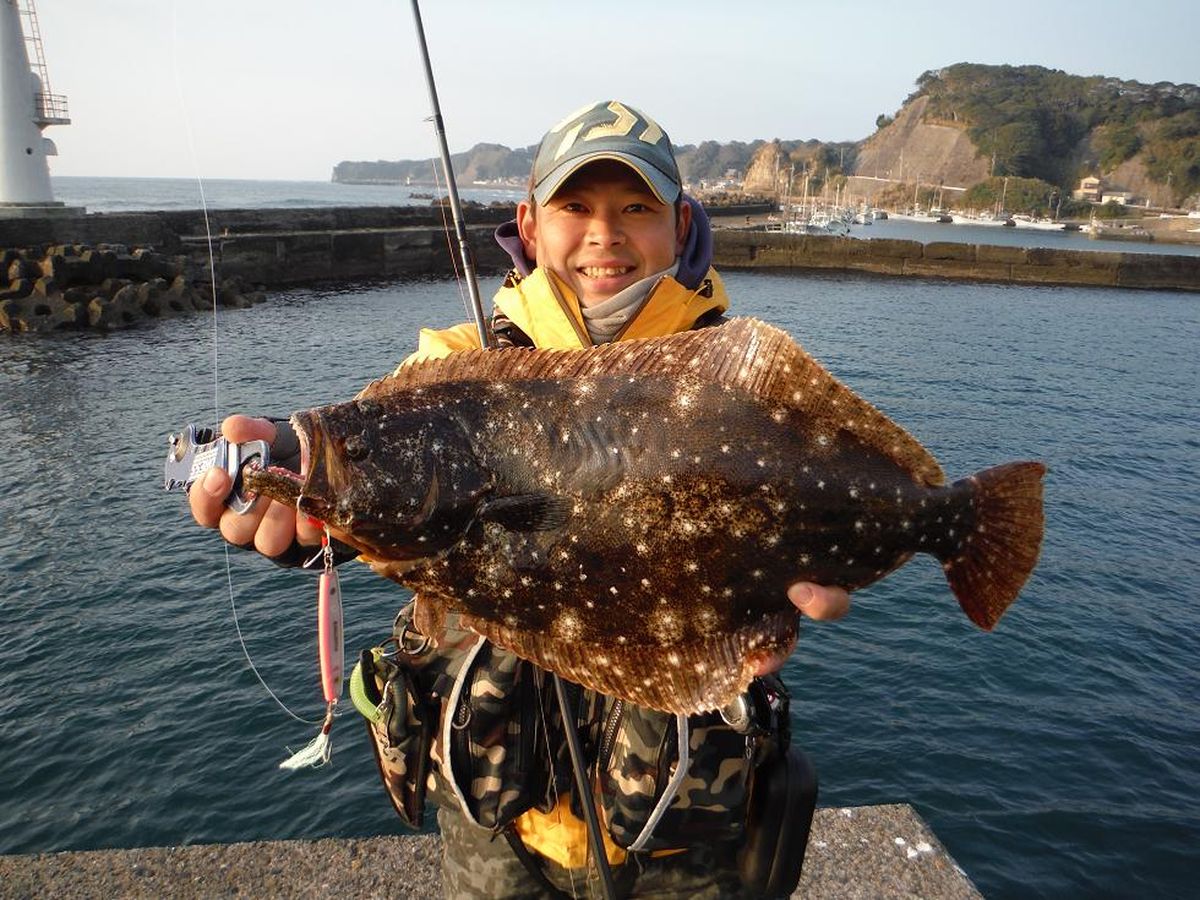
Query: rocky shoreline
(109, 286)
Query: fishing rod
(460, 229)
(488, 342)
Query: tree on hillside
(1027, 196)
(1032, 119)
(1117, 143)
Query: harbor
(183, 265)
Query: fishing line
(437, 186)
(212, 274)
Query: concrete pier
(854, 852)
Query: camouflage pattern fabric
(507, 754)
(711, 801)
(477, 865)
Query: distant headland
(1035, 141)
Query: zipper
(641, 306)
(609, 735)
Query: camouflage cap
(606, 130)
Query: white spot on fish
(567, 627)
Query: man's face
(603, 231)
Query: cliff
(914, 148)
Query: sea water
(1055, 756)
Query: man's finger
(277, 531)
(240, 429)
(818, 602)
(239, 528)
(207, 497)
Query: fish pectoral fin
(527, 512)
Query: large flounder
(631, 516)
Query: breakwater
(113, 270)
(745, 249)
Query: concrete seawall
(946, 259)
(268, 248)
(854, 852)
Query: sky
(285, 89)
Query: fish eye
(356, 447)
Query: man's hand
(269, 527)
(816, 602)
(819, 602)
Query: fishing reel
(762, 711)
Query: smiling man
(606, 248)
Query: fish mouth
(314, 496)
(285, 485)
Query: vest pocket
(647, 805)
(401, 726)
(494, 731)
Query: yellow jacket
(547, 311)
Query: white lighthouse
(27, 106)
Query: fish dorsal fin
(744, 353)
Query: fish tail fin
(989, 569)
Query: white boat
(822, 222)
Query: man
(605, 248)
